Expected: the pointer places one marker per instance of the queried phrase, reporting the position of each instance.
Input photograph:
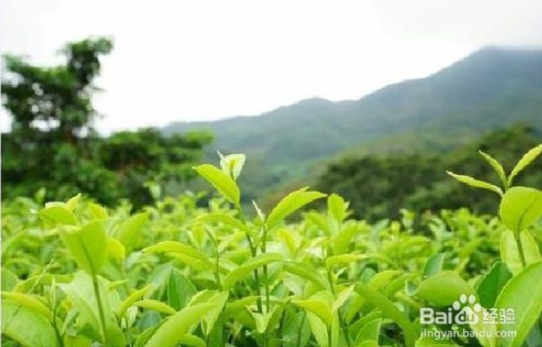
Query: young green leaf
(249, 266)
(59, 215)
(443, 289)
(520, 208)
(26, 326)
(87, 245)
(173, 330)
(492, 284)
(133, 297)
(433, 265)
(307, 272)
(30, 302)
(291, 203)
(127, 232)
(473, 182)
(523, 295)
(319, 307)
(223, 183)
(232, 164)
(337, 208)
(155, 305)
(81, 294)
(496, 166)
(510, 253)
(524, 161)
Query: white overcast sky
(210, 59)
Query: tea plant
(175, 274)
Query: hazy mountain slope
(491, 88)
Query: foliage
(379, 187)
(53, 145)
(176, 274)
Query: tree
(53, 143)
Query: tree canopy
(53, 144)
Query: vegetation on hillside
(380, 186)
(78, 274)
(53, 146)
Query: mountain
(492, 88)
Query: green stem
(253, 253)
(520, 250)
(100, 306)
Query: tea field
(184, 273)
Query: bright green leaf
(127, 232)
(223, 183)
(87, 245)
(496, 166)
(26, 326)
(473, 182)
(523, 295)
(176, 327)
(524, 161)
(291, 203)
(249, 266)
(521, 207)
(443, 289)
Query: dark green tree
(53, 144)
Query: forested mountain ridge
(489, 89)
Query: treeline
(53, 147)
(380, 186)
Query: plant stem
(520, 250)
(100, 306)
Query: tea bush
(77, 274)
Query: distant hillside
(492, 88)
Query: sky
(181, 60)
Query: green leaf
(443, 289)
(524, 161)
(135, 296)
(155, 305)
(496, 166)
(307, 272)
(523, 295)
(337, 208)
(369, 332)
(223, 183)
(319, 307)
(97, 211)
(250, 265)
(81, 294)
(521, 207)
(115, 249)
(192, 340)
(180, 248)
(434, 265)
(473, 182)
(87, 245)
(291, 203)
(30, 302)
(58, 214)
(492, 284)
(509, 250)
(176, 327)
(232, 164)
(343, 259)
(9, 279)
(26, 326)
(127, 232)
(179, 289)
(389, 310)
(221, 217)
